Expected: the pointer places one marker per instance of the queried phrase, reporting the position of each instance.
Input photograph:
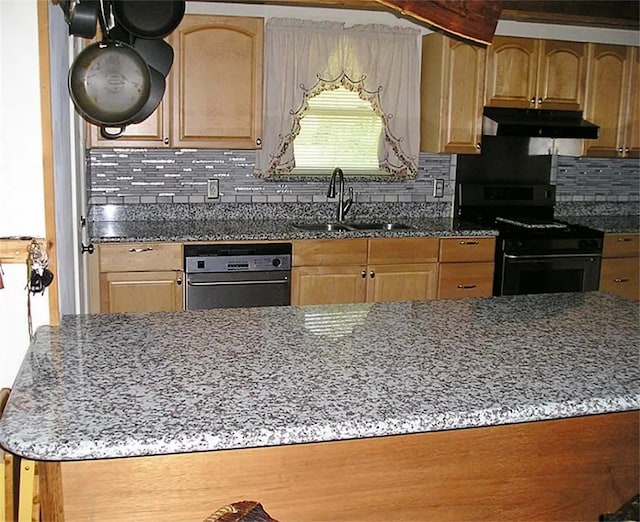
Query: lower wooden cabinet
(466, 267)
(364, 270)
(141, 291)
(137, 277)
(620, 270)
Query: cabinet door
(217, 82)
(452, 95)
(459, 280)
(402, 282)
(328, 284)
(511, 72)
(607, 85)
(561, 75)
(141, 291)
(621, 276)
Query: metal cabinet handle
(258, 141)
(179, 281)
(372, 274)
(138, 250)
(468, 242)
(165, 141)
(620, 150)
(478, 146)
(621, 280)
(624, 239)
(540, 100)
(533, 100)
(466, 287)
(627, 150)
(363, 274)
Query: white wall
(21, 174)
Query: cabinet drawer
(132, 257)
(329, 252)
(403, 250)
(621, 276)
(467, 249)
(621, 245)
(458, 280)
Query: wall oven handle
(549, 256)
(234, 283)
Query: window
(339, 129)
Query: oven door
(539, 274)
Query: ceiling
(619, 14)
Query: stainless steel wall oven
(237, 275)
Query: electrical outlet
(438, 188)
(212, 189)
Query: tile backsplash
(134, 176)
(130, 176)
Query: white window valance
(304, 57)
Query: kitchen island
(522, 407)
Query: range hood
(537, 123)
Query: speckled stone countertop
(243, 230)
(607, 224)
(102, 386)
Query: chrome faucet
(343, 206)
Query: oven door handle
(549, 256)
(233, 283)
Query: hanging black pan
(149, 19)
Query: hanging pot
(81, 16)
(109, 83)
(146, 19)
(158, 86)
(157, 53)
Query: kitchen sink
(319, 227)
(329, 227)
(379, 226)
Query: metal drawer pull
(233, 283)
(624, 239)
(621, 280)
(137, 250)
(468, 242)
(466, 287)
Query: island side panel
(570, 469)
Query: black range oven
(534, 252)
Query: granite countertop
(102, 386)
(266, 229)
(607, 224)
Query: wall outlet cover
(212, 189)
(438, 188)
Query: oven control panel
(250, 263)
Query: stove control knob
(276, 262)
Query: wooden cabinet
(451, 95)
(213, 97)
(139, 277)
(620, 271)
(533, 73)
(466, 267)
(217, 82)
(364, 270)
(612, 101)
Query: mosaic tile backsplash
(133, 176)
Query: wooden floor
(572, 469)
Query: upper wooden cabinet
(213, 97)
(451, 99)
(533, 73)
(612, 101)
(217, 82)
